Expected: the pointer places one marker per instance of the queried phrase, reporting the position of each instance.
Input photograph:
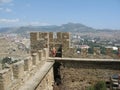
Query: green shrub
(98, 86)
(7, 60)
(90, 88)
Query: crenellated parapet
(39, 40)
(18, 73)
(61, 41)
(36, 71)
(5, 79)
(28, 64)
(84, 52)
(18, 70)
(96, 51)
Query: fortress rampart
(61, 41)
(80, 74)
(36, 72)
(18, 75)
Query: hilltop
(74, 28)
(69, 27)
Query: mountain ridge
(69, 27)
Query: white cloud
(36, 23)
(5, 1)
(5, 9)
(8, 10)
(4, 20)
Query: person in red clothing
(53, 52)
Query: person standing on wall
(54, 52)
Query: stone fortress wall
(61, 40)
(78, 75)
(23, 74)
(36, 71)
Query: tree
(103, 50)
(90, 50)
(7, 60)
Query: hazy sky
(93, 13)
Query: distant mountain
(76, 27)
(69, 27)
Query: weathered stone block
(35, 58)
(66, 43)
(84, 52)
(96, 50)
(27, 64)
(18, 70)
(34, 36)
(51, 36)
(59, 36)
(40, 35)
(65, 35)
(109, 51)
(5, 79)
(39, 41)
(45, 53)
(40, 54)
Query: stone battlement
(18, 73)
(36, 71)
(49, 40)
(61, 41)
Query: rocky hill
(69, 27)
(82, 30)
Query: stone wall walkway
(36, 79)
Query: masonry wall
(39, 40)
(77, 75)
(47, 82)
(19, 73)
(61, 41)
(14, 77)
